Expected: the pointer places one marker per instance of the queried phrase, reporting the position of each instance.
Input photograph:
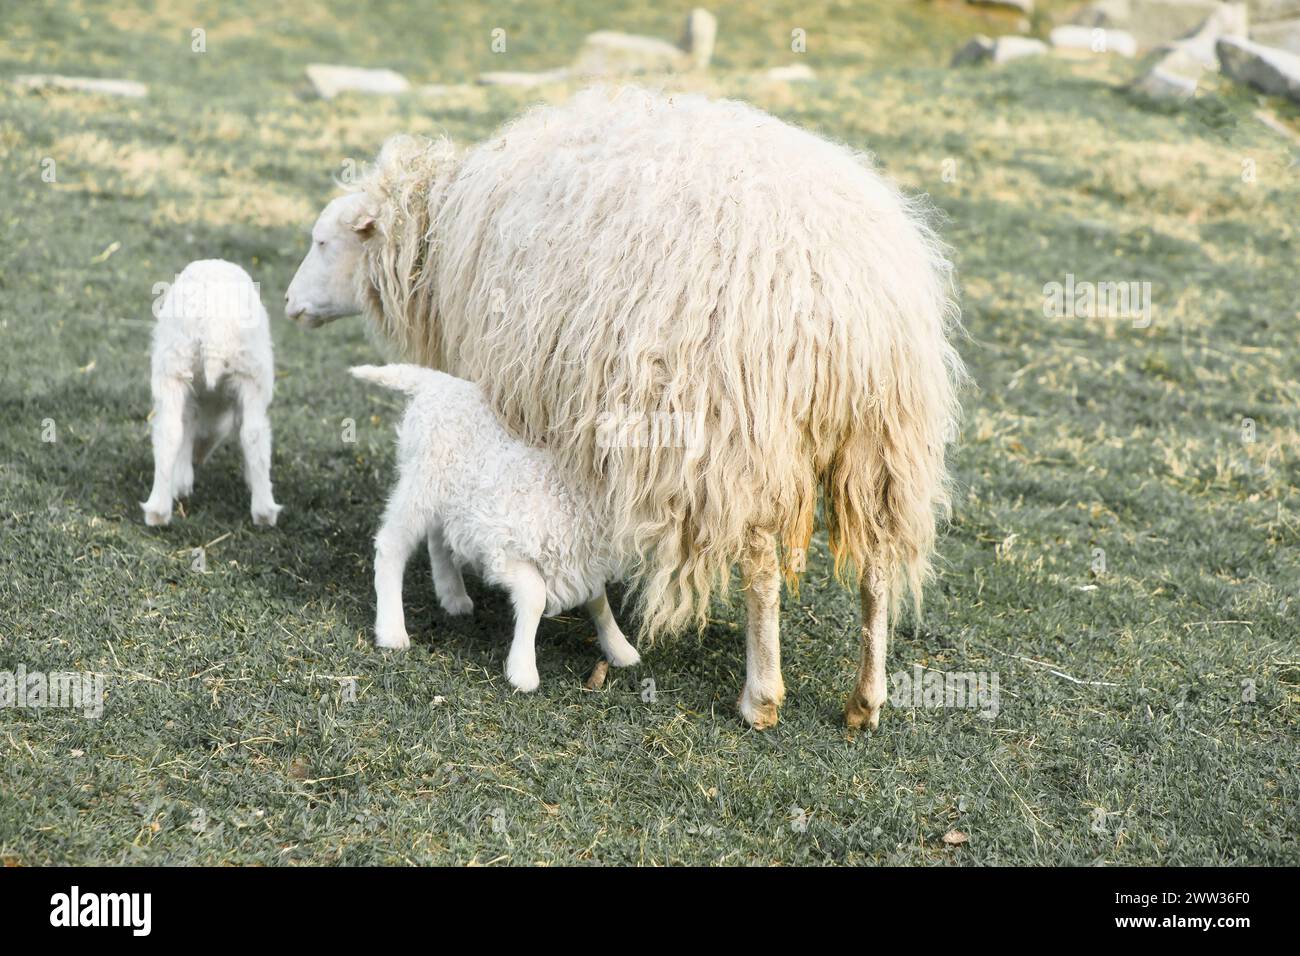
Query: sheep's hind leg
(448, 583)
(183, 475)
(168, 435)
(396, 540)
(528, 594)
(868, 694)
(613, 644)
(255, 439)
(764, 689)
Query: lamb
(212, 372)
(479, 497)
(634, 253)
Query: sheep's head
(325, 286)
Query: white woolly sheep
(633, 251)
(481, 498)
(212, 372)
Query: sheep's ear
(364, 226)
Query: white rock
(523, 79)
(607, 52)
(1267, 69)
(1102, 13)
(1283, 34)
(1153, 22)
(700, 36)
(794, 73)
(81, 84)
(329, 80)
(1020, 6)
(1094, 40)
(1160, 84)
(1002, 50)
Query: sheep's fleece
(630, 253)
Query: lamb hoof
(265, 517)
(456, 606)
(156, 518)
(759, 714)
(859, 713)
(392, 640)
(622, 654)
(524, 679)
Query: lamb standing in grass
(212, 372)
(481, 498)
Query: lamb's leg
(183, 476)
(764, 689)
(528, 594)
(394, 545)
(868, 695)
(168, 434)
(447, 580)
(613, 644)
(255, 439)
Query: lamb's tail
(214, 367)
(404, 378)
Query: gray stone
(1283, 34)
(1093, 40)
(330, 80)
(1153, 22)
(1102, 13)
(1161, 84)
(700, 36)
(1002, 50)
(81, 84)
(1269, 70)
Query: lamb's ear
(364, 225)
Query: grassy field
(1148, 709)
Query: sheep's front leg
(255, 439)
(168, 435)
(447, 581)
(394, 545)
(528, 594)
(613, 644)
(764, 689)
(868, 695)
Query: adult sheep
(631, 254)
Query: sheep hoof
(458, 605)
(622, 655)
(155, 517)
(524, 679)
(759, 714)
(265, 517)
(859, 713)
(392, 640)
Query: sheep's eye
(321, 243)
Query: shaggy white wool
(480, 498)
(212, 373)
(635, 253)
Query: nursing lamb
(481, 498)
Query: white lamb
(212, 371)
(481, 498)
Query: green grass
(226, 736)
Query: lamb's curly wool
(212, 372)
(481, 498)
(630, 254)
